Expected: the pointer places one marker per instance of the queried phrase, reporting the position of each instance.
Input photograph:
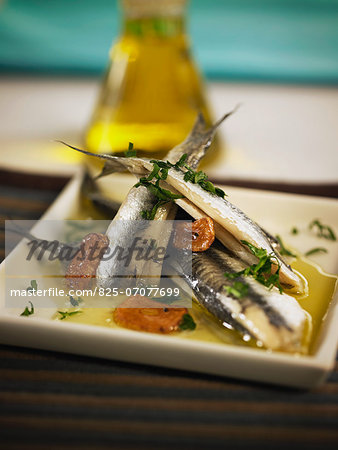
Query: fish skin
(139, 199)
(119, 232)
(274, 319)
(220, 209)
(195, 146)
(233, 220)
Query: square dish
(276, 212)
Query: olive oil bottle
(152, 90)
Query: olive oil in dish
(321, 287)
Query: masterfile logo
(98, 260)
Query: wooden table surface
(54, 400)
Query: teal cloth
(276, 40)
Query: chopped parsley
(323, 231)
(187, 323)
(294, 230)
(33, 286)
(65, 314)
(150, 215)
(201, 178)
(313, 251)
(130, 152)
(163, 195)
(28, 311)
(160, 172)
(260, 271)
(238, 289)
(283, 250)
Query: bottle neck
(156, 18)
(161, 27)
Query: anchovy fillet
(276, 320)
(139, 199)
(224, 213)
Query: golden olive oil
(321, 290)
(152, 90)
(316, 303)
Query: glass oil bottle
(152, 90)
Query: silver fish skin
(120, 232)
(195, 146)
(274, 319)
(140, 199)
(224, 213)
(234, 220)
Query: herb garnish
(283, 250)
(65, 314)
(163, 195)
(130, 152)
(160, 172)
(33, 286)
(316, 250)
(323, 231)
(238, 289)
(187, 323)
(261, 271)
(201, 178)
(27, 311)
(294, 230)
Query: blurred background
(277, 58)
(266, 40)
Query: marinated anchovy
(140, 199)
(224, 213)
(274, 319)
(233, 220)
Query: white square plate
(277, 213)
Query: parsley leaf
(163, 195)
(181, 161)
(187, 323)
(258, 252)
(323, 231)
(260, 271)
(160, 172)
(190, 175)
(153, 173)
(199, 176)
(220, 193)
(28, 311)
(130, 152)
(238, 289)
(201, 179)
(164, 173)
(33, 286)
(283, 250)
(150, 215)
(65, 314)
(294, 230)
(316, 250)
